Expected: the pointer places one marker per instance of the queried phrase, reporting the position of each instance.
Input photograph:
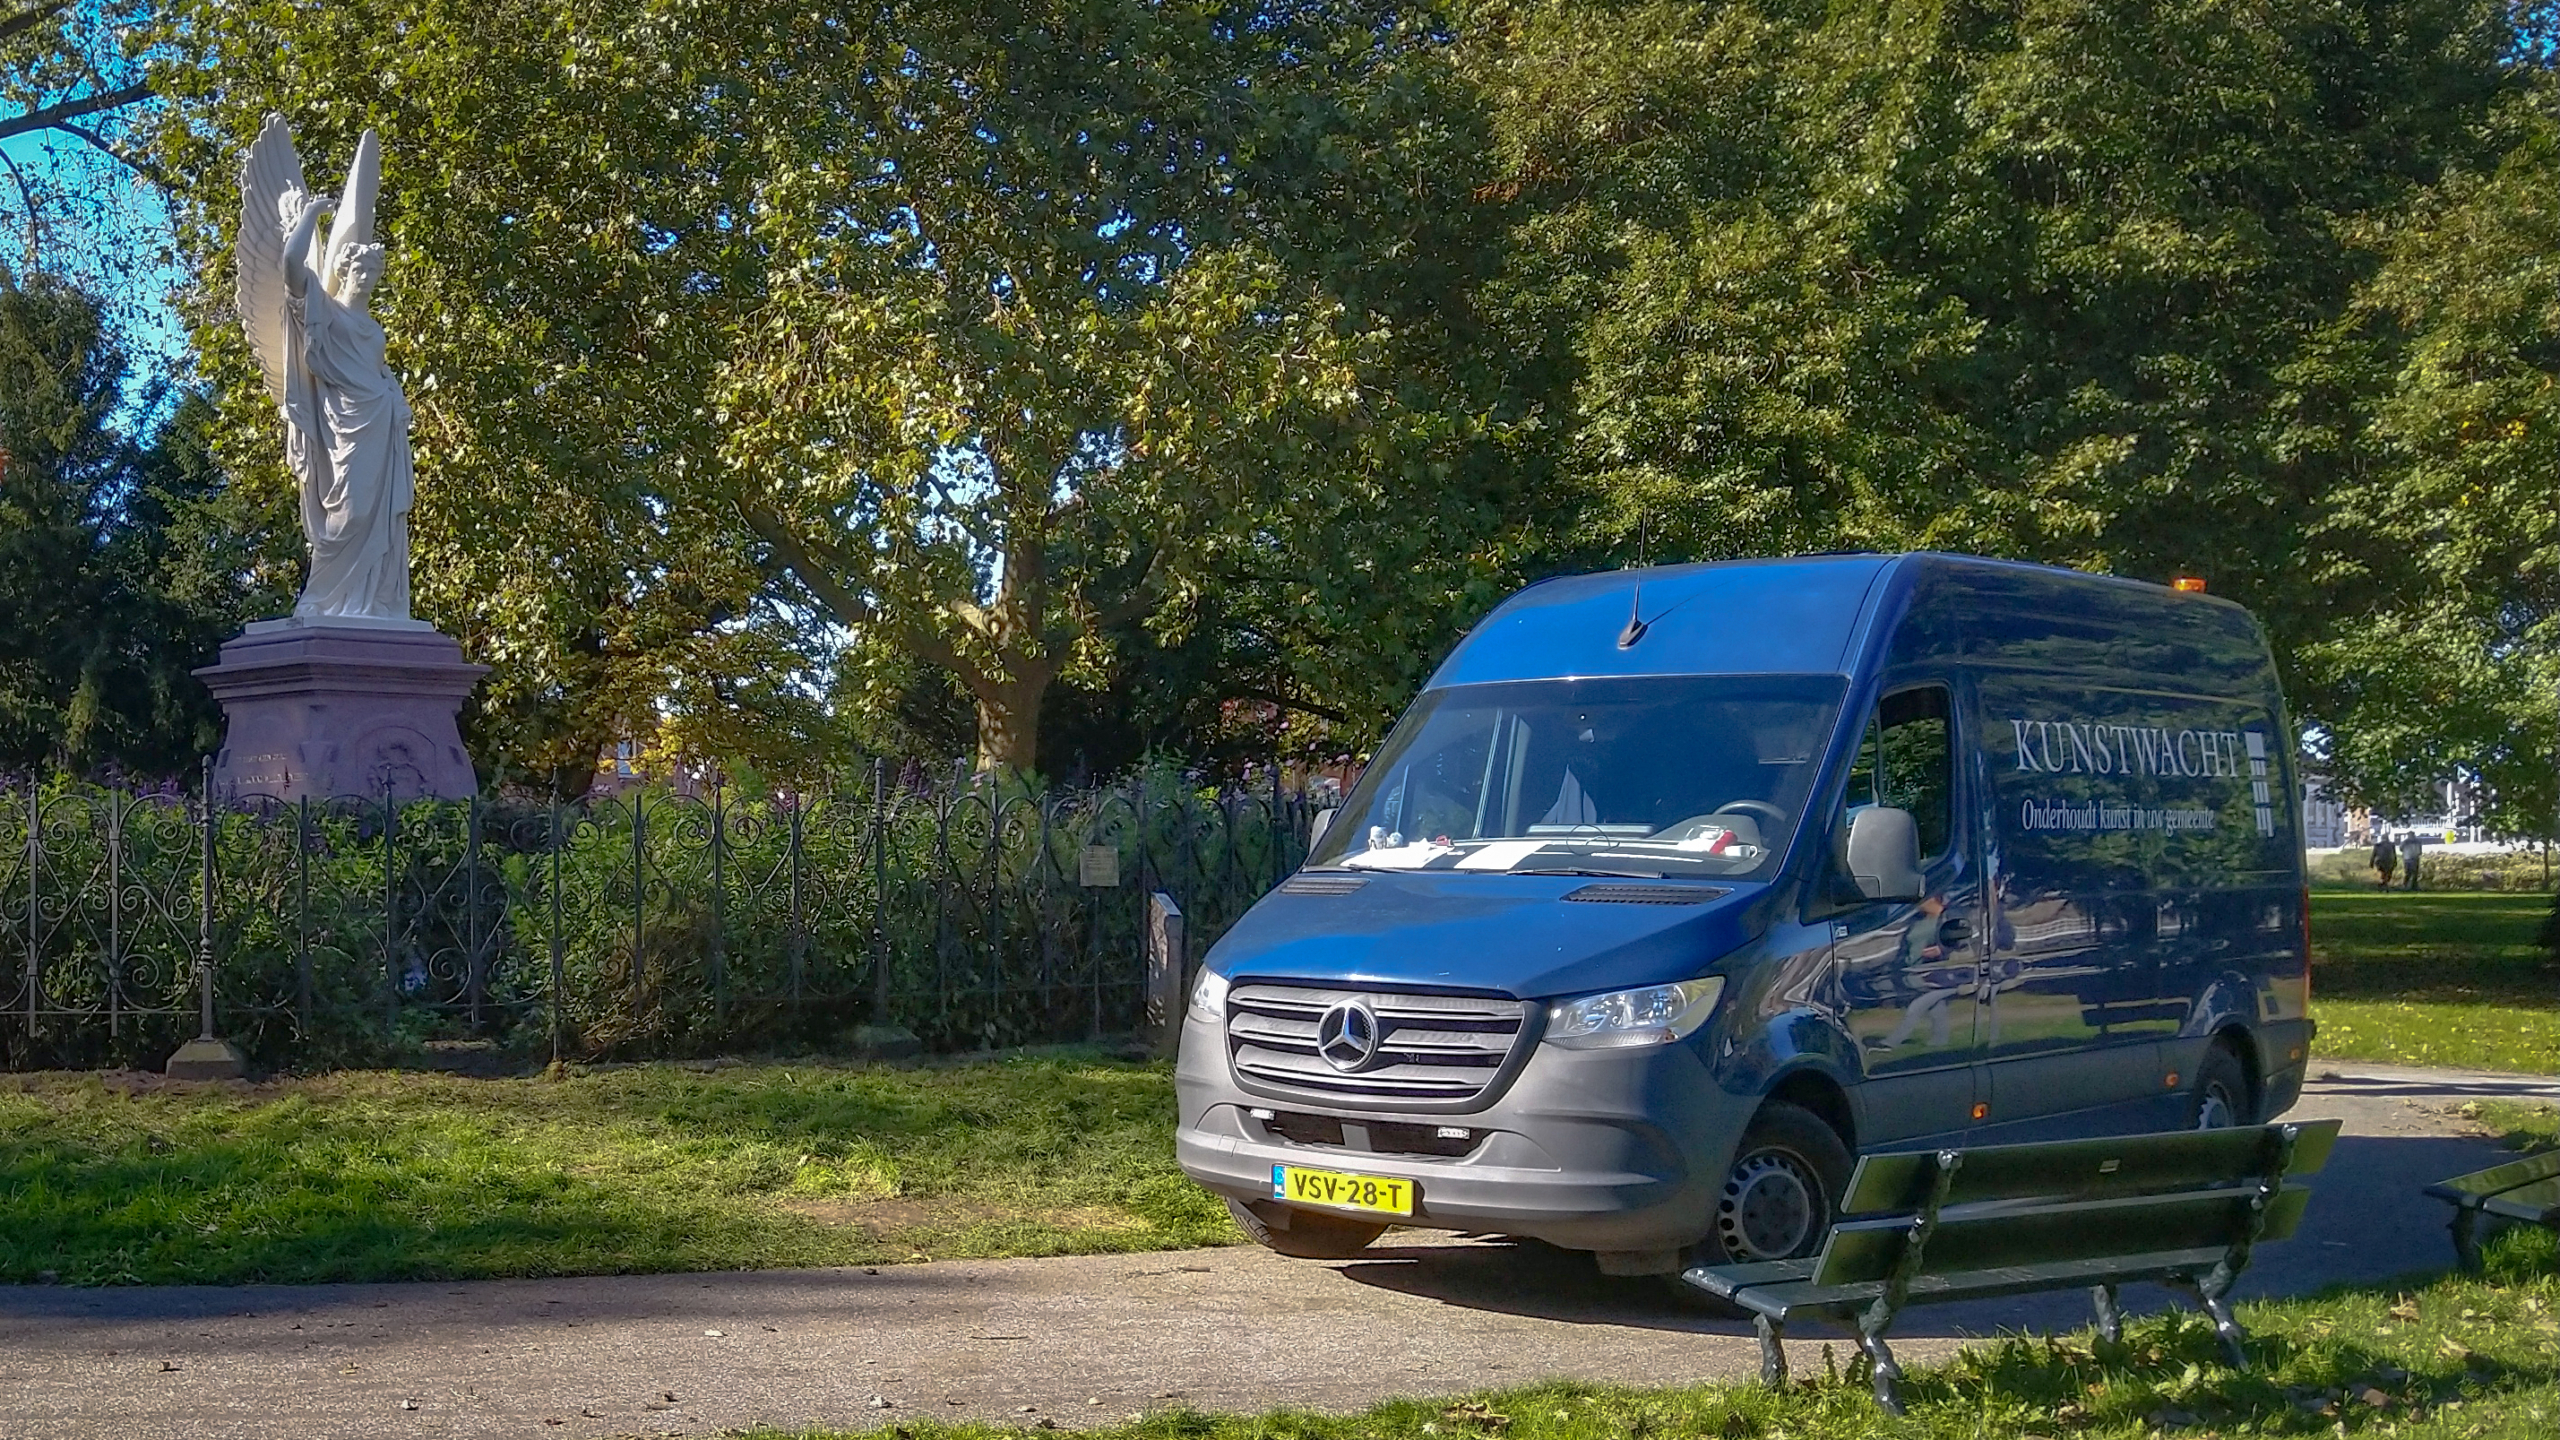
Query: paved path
(1077, 1340)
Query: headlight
(1209, 996)
(1653, 1015)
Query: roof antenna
(1636, 623)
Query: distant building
(2324, 820)
(628, 763)
(2327, 823)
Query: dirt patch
(128, 1083)
(882, 1217)
(904, 1215)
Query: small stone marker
(1098, 867)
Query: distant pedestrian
(2385, 859)
(2412, 845)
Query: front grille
(1300, 1129)
(1431, 1048)
(1378, 1137)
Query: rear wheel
(1309, 1237)
(2222, 1097)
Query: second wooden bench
(2186, 1208)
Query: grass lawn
(2435, 978)
(125, 1179)
(377, 1176)
(2458, 1359)
(2527, 1125)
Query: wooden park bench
(2526, 1190)
(2183, 1208)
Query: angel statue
(346, 422)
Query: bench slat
(1993, 1236)
(1779, 1301)
(2498, 1179)
(2082, 1169)
(1722, 1280)
(2536, 1204)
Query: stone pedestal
(342, 708)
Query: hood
(1515, 934)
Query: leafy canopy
(748, 338)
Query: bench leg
(2466, 1237)
(2228, 1330)
(2225, 1328)
(1882, 1374)
(1773, 1351)
(2102, 1299)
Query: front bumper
(1606, 1150)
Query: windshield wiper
(1585, 870)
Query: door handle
(1954, 933)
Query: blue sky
(136, 231)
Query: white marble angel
(346, 422)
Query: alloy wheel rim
(1769, 1207)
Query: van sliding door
(2124, 819)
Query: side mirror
(1884, 854)
(1315, 832)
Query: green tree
(568, 206)
(2018, 279)
(191, 559)
(1046, 355)
(2447, 531)
(747, 339)
(57, 387)
(122, 566)
(2132, 287)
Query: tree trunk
(1009, 723)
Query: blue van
(1677, 888)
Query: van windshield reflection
(1642, 776)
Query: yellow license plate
(1332, 1188)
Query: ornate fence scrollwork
(641, 924)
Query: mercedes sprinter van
(1677, 888)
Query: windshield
(1647, 776)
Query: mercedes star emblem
(1347, 1036)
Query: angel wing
(269, 172)
(353, 225)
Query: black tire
(1784, 1141)
(1782, 1192)
(1795, 1138)
(2222, 1096)
(1310, 1236)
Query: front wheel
(1309, 1236)
(1778, 1198)
(1782, 1192)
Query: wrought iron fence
(651, 923)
